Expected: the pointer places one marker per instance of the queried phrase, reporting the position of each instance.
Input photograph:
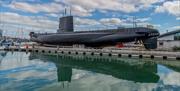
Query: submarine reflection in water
(141, 72)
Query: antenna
(134, 22)
(65, 11)
(70, 11)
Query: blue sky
(19, 17)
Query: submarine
(66, 36)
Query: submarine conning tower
(66, 24)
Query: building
(168, 41)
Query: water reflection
(41, 72)
(171, 65)
(17, 73)
(141, 72)
(2, 55)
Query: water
(41, 72)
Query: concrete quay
(101, 52)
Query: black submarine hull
(100, 38)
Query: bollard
(24, 50)
(140, 56)
(177, 58)
(110, 54)
(16, 50)
(43, 51)
(100, 54)
(164, 57)
(36, 51)
(30, 50)
(62, 52)
(55, 52)
(76, 53)
(119, 55)
(84, 53)
(152, 56)
(69, 52)
(92, 53)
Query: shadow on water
(144, 72)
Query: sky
(19, 17)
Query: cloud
(110, 21)
(143, 19)
(140, 21)
(91, 5)
(148, 3)
(169, 79)
(144, 24)
(13, 22)
(171, 7)
(51, 8)
(54, 15)
(175, 27)
(36, 8)
(127, 6)
(96, 24)
(33, 21)
(132, 19)
(85, 24)
(85, 21)
(84, 7)
(80, 11)
(178, 18)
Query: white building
(169, 40)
